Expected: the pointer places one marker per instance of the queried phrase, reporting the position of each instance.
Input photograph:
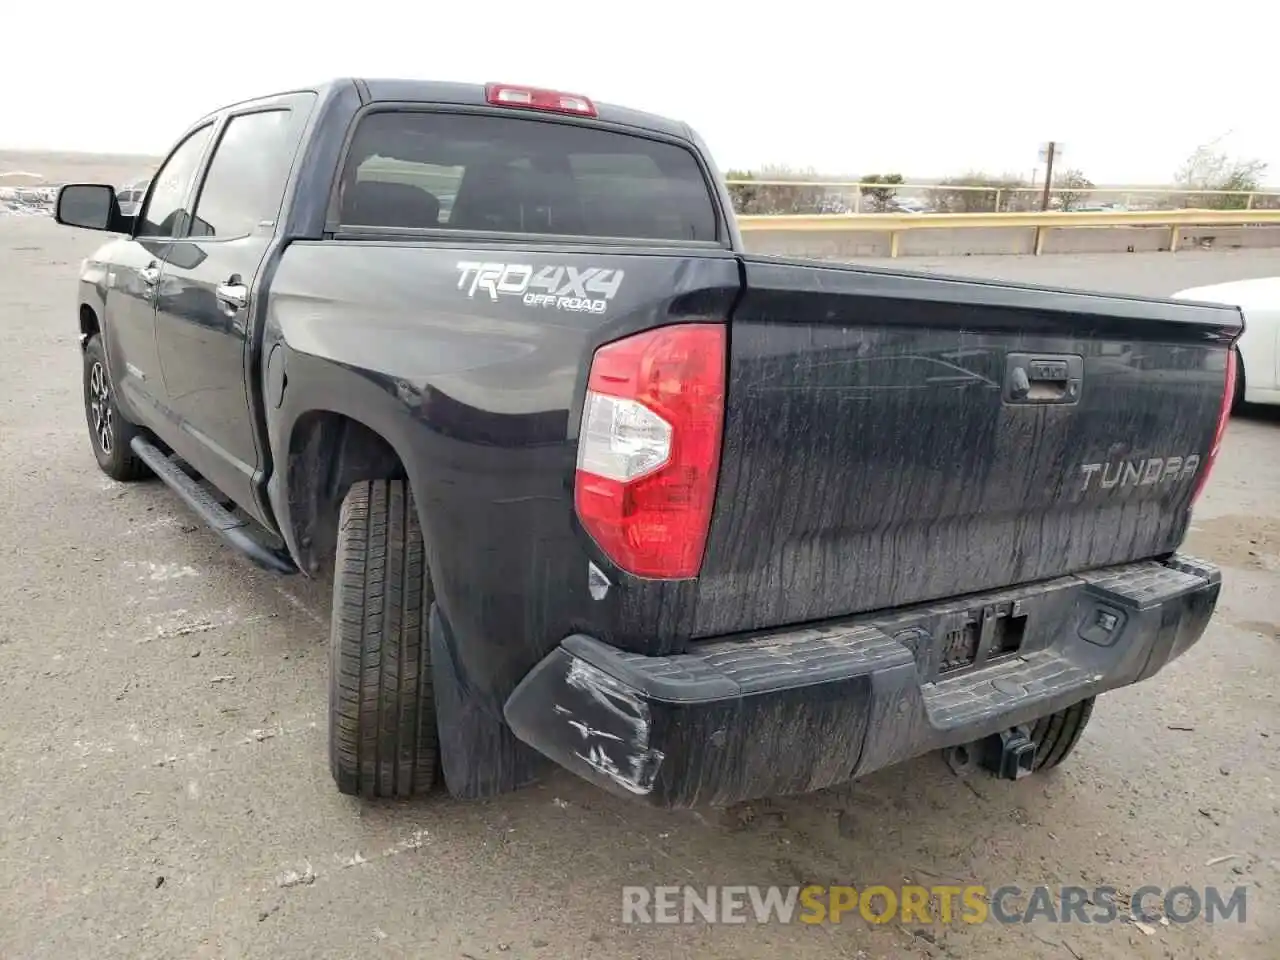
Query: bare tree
(880, 198)
(1008, 193)
(1073, 189)
(744, 196)
(1209, 169)
(766, 198)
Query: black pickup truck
(597, 486)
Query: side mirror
(90, 206)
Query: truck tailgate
(893, 438)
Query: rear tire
(382, 722)
(1058, 734)
(109, 432)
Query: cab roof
(473, 94)
(386, 90)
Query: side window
(246, 180)
(166, 215)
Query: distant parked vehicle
(1258, 349)
(130, 197)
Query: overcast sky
(1130, 86)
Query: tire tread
(383, 739)
(1058, 734)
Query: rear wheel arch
(327, 453)
(351, 505)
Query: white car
(1258, 350)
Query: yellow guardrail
(896, 223)
(999, 192)
(1103, 188)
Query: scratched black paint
(811, 706)
(481, 399)
(871, 461)
(868, 462)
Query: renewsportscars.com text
(919, 904)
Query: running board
(234, 530)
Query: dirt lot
(165, 790)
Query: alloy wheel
(100, 406)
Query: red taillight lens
(533, 98)
(649, 448)
(1224, 414)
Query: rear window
(441, 171)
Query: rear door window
(440, 171)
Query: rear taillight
(649, 448)
(1224, 414)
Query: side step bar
(234, 530)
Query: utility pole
(1048, 174)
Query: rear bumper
(794, 711)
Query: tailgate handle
(1043, 378)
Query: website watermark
(972, 904)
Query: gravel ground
(166, 794)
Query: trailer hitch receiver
(1010, 754)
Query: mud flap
(480, 755)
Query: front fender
(92, 296)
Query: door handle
(1043, 378)
(150, 274)
(232, 294)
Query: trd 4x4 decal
(588, 290)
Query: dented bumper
(794, 711)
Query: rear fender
(331, 425)
(311, 402)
